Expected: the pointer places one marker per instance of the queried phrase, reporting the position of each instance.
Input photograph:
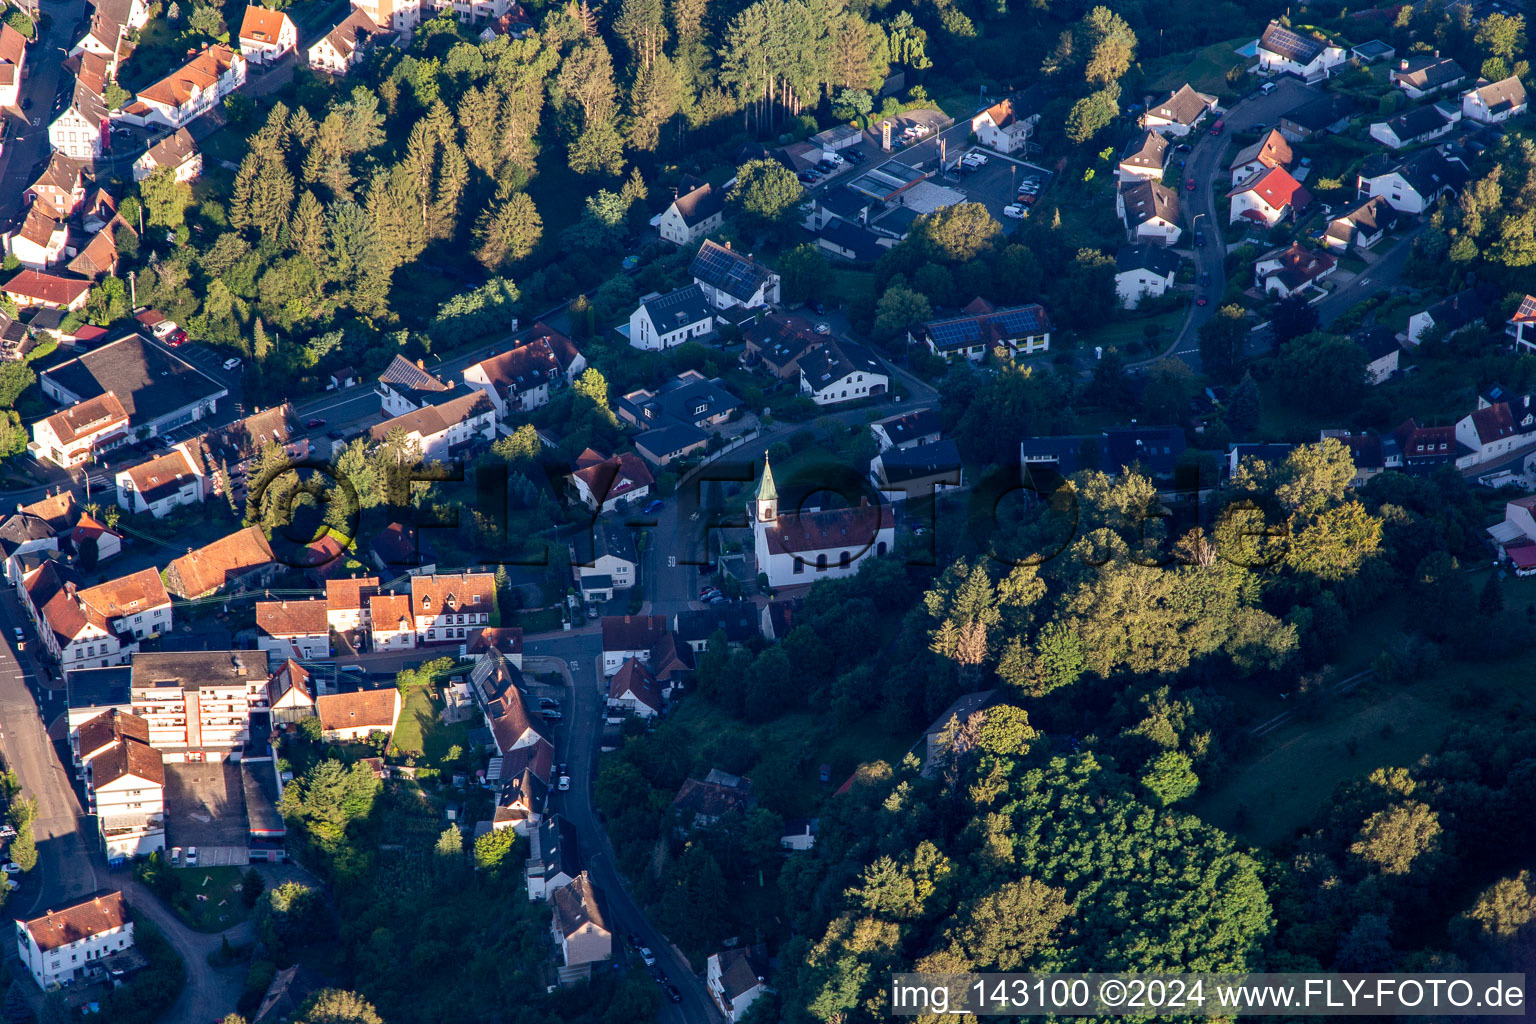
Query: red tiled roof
(635, 679)
(292, 618)
(350, 593)
(387, 611)
(91, 916)
(376, 709)
(49, 289)
(261, 25)
(612, 476)
(201, 72)
(103, 412)
(853, 529)
(453, 592)
(1277, 188)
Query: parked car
(565, 783)
(1190, 184)
(191, 856)
(647, 956)
(1015, 211)
(1199, 238)
(1218, 127)
(1182, 147)
(314, 424)
(7, 832)
(1267, 88)
(856, 156)
(673, 994)
(10, 867)
(834, 160)
(20, 636)
(550, 702)
(655, 506)
(231, 364)
(1202, 300)
(551, 716)
(1205, 280)
(176, 338)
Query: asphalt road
(28, 145)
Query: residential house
(1144, 271)
(448, 606)
(76, 941)
(346, 602)
(1271, 151)
(1005, 126)
(907, 430)
(405, 385)
(446, 430)
(603, 482)
(693, 628)
(506, 641)
(358, 715)
(1145, 156)
(701, 803)
(1371, 51)
(693, 215)
(294, 629)
(675, 420)
(580, 927)
(612, 566)
(30, 288)
(266, 34)
(1155, 449)
(1515, 536)
(1149, 211)
(79, 130)
(735, 978)
(663, 321)
(396, 15)
(983, 329)
(852, 242)
(842, 371)
(1426, 74)
(814, 543)
(1412, 184)
(903, 473)
(16, 339)
(177, 151)
(799, 834)
(554, 857)
(1361, 225)
(22, 534)
(1372, 454)
(1381, 352)
(1490, 433)
(1281, 50)
(61, 185)
(672, 661)
(40, 239)
(1426, 449)
(945, 738)
(238, 562)
(198, 703)
(522, 378)
(729, 279)
(1325, 114)
(1521, 326)
(390, 625)
(164, 483)
(191, 90)
(1416, 126)
(629, 636)
(94, 626)
(13, 62)
(124, 783)
(635, 690)
(1179, 111)
(226, 457)
(345, 43)
(70, 436)
(1451, 315)
(1289, 271)
(290, 693)
(777, 342)
(399, 546)
(1268, 198)
(98, 257)
(1494, 102)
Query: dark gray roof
(737, 620)
(699, 203)
(403, 375)
(1429, 71)
(1182, 106)
(559, 848)
(1157, 258)
(615, 540)
(1290, 45)
(844, 202)
(99, 687)
(681, 400)
(836, 360)
(863, 243)
(20, 528)
(1428, 171)
(1149, 149)
(722, 268)
(192, 669)
(925, 460)
(1155, 448)
(671, 439)
(1456, 311)
(1320, 112)
(258, 780)
(1418, 122)
(1376, 342)
(148, 380)
(678, 309)
(913, 424)
(1147, 199)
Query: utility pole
(133, 290)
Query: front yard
(208, 899)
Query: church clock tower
(767, 505)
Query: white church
(812, 544)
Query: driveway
(210, 993)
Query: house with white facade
(390, 625)
(1292, 270)
(1426, 74)
(907, 430)
(612, 566)
(554, 857)
(76, 941)
(69, 436)
(842, 371)
(294, 629)
(190, 91)
(1494, 102)
(447, 429)
(1145, 156)
(1521, 325)
(735, 978)
(1361, 225)
(1273, 150)
(523, 378)
(266, 34)
(1414, 183)
(1494, 430)
(602, 482)
(1451, 315)
(124, 782)
(40, 239)
(814, 543)
(729, 278)
(663, 321)
(346, 602)
(1281, 50)
(198, 703)
(1268, 198)
(1144, 271)
(13, 62)
(450, 606)
(359, 714)
(1149, 211)
(635, 690)
(1416, 126)
(161, 485)
(346, 43)
(629, 636)
(983, 329)
(580, 928)
(79, 130)
(694, 215)
(396, 15)
(177, 151)
(1005, 126)
(1179, 111)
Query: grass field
(1292, 771)
(1206, 71)
(1121, 333)
(421, 732)
(222, 906)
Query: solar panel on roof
(1290, 45)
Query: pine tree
(306, 229)
(1243, 409)
(229, 490)
(242, 193)
(507, 231)
(261, 345)
(478, 110)
(452, 179)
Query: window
(842, 560)
(799, 567)
(821, 562)
(475, 599)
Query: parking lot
(205, 808)
(995, 184)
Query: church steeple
(767, 496)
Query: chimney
(1402, 65)
(1437, 55)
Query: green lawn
(1205, 71)
(1121, 333)
(209, 900)
(422, 732)
(541, 621)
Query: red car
(1218, 127)
(314, 423)
(1202, 300)
(1190, 184)
(176, 338)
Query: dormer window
(426, 602)
(475, 599)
